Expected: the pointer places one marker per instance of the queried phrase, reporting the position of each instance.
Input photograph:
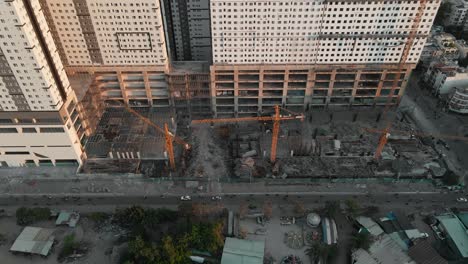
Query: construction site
(197, 120)
(321, 143)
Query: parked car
(260, 220)
(424, 235)
(216, 198)
(462, 200)
(287, 220)
(185, 198)
(436, 230)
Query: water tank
(313, 219)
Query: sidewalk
(135, 185)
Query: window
(51, 130)
(49, 120)
(8, 130)
(16, 152)
(29, 130)
(6, 121)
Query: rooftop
(369, 224)
(424, 253)
(382, 251)
(67, 218)
(457, 232)
(241, 251)
(34, 240)
(463, 216)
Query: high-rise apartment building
(122, 44)
(39, 123)
(104, 32)
(191, 29)
(302, 53)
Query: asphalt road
(416, 200)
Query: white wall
(109, 18)
(52, 146)
(459, 81)
(286, 31)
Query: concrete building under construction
(298, 54)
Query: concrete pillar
(260, 88)
(236, 90)
(309, 87)
(213, 90)
(331, 85)
(285, 86)
(381, 82)
(355, 86)
(404, 83)
(148, 88)
(122, 86)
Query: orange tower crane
(401, 65)
(169, 136)
(276, 125)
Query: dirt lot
(99, 244)
(275, 234)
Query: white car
(424, 235)
(462, 200)
(215, 198)
(185, 198)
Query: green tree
(361, 240)
(319, 250)
(27, 216)
(146, 217)
(143, 252)
(175, 252)
(331, 208)
(206, 236)
(69, 247)
(352, 207)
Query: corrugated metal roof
(463, 216)
(361, 256)
(329, 231)
(67, 218)
(424, 253)
(457, 232)
(34, 240)
(369, 224)
(241, 251)
(387, 251)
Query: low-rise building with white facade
(459, 100)
(444, 76)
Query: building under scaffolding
(122, 142)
